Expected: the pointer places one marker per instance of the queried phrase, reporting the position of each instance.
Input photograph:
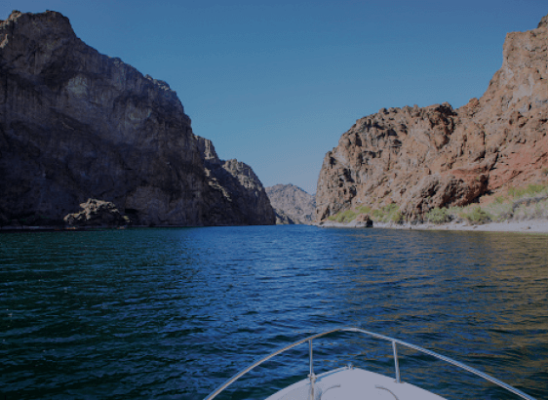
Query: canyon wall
(292, 205)
(235, 195)
(76, 124)
(437, 156)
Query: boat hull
(353, 384)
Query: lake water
(173, 313)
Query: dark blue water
(173, 313)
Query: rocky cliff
(437, 156)
(235, 193)
(291, 204)
(76, 124)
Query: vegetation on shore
(389, 213)
(519, 204)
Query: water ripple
(172, 313)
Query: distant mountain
(292, 205)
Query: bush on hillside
(529, 190)
(477, 216)
(438, 216)
(343, 217)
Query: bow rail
(394, 342)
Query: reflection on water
(172, 313)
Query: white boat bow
(349, 383)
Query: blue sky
(275, 84)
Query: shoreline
(46, 228)
(60, 228)
(530, 226)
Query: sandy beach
(530, 226)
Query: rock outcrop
(543, 22)
(97, 213)
(437, 156)
(291, 204)
(235, 195)
(76, 124)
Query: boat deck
(353, 384)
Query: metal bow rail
(394, 342)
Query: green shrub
(500, 212)
(500, 199)
(397, 217)
(538, 211)
(347, 216)
(364, 209)
(477, 216)
(343, 216)
(438, 216)
(532, 211)
(529, 190)
(377, 215)
(390, 208)
(388, 213)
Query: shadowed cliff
(76, 124)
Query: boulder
(97, 213)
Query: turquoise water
(173, 313)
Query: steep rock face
(421, 158)
(282, 219)
(235, 195)
(292, 204)
(76, 124)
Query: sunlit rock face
(96, 213)
(76, 124)
(421, 158)
(292, 204)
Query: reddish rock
(437, 156)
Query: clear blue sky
(275, 84)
